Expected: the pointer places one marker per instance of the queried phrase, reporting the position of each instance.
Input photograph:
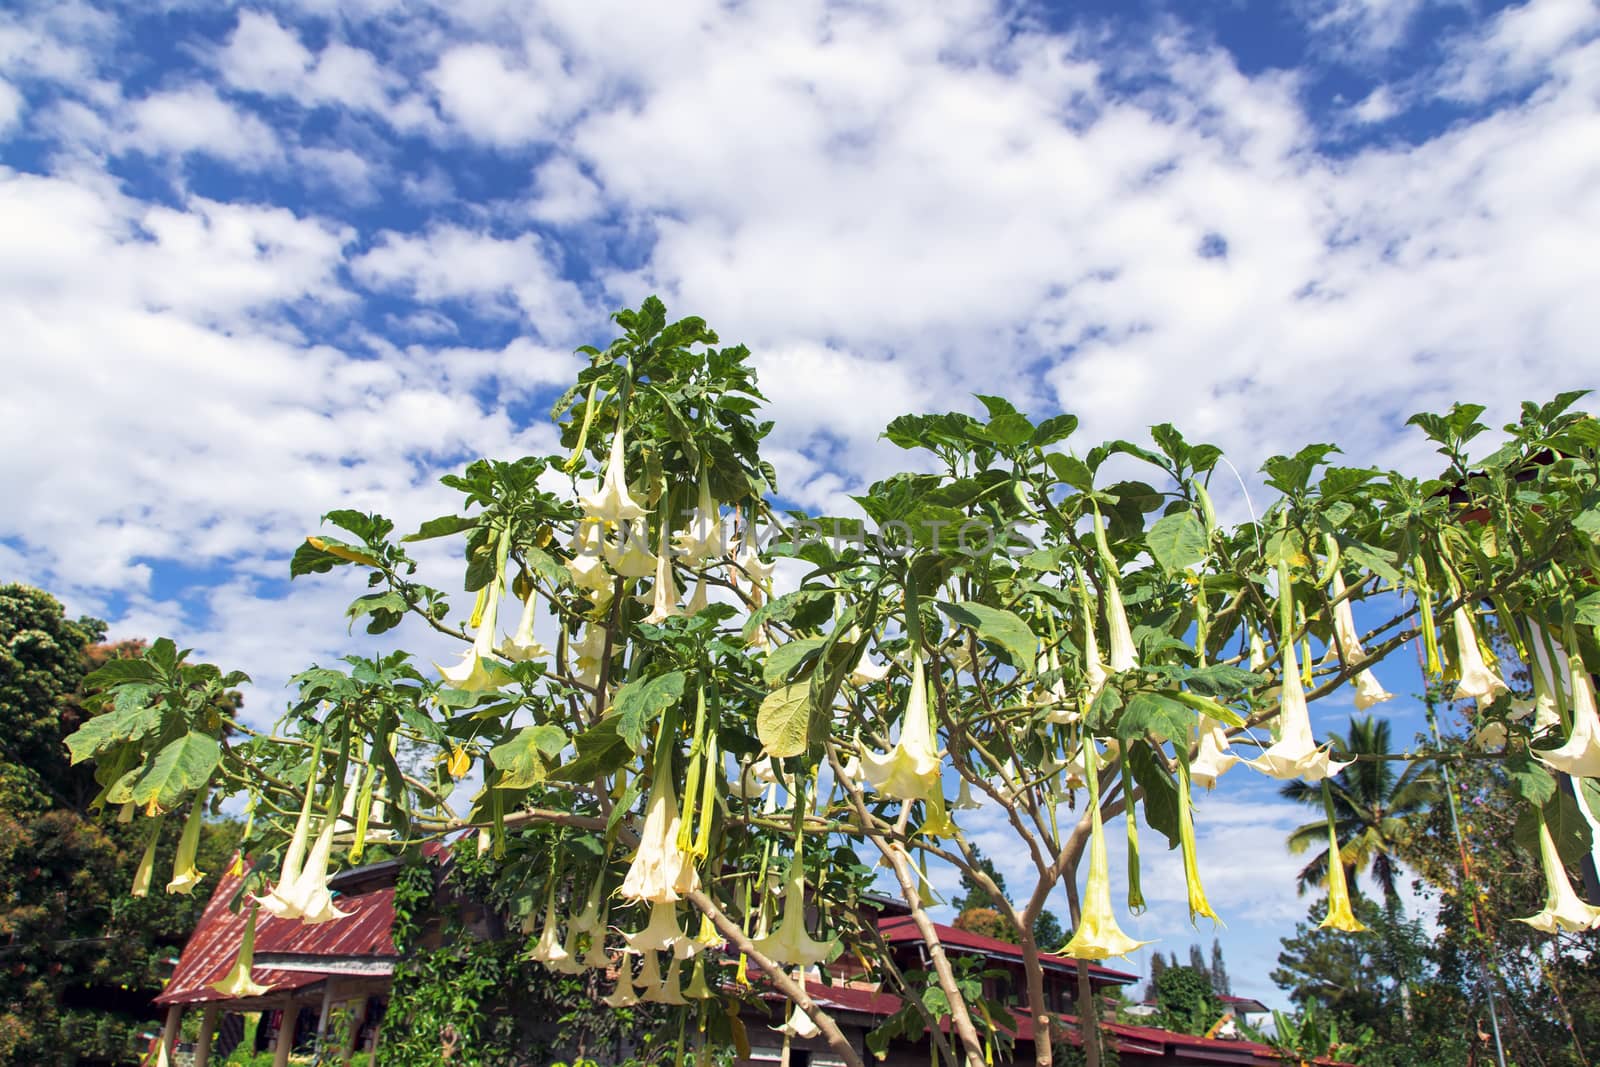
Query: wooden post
(284, 1042)
(322, 1017)
(208, 1028)
(170, 1032)
(353, 1038)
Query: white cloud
(564, 194)
(451, 263)
(263, 56)
(1519, 46)
(195, 119)
(492, 97)
(351, 176)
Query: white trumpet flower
(624, 995)
(478, 671)
(522, 645)
(1475, 678)
(790, 943)
(701, 598)
(1563, 908)
(662, 933)
(704, 540)
(587, 565)
(798, 1024)
(749, 558)
(1124, 656)
(610, 502)
(660, 871)
(665, 602)
(629, 555)
(910, 770)
(1580, 756)
(1213, 760)
(1369, 690)
(964, 800)
(311, 889)
(1295, 754)
(281, 901)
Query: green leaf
(783, 720)
(131, 719)
(1056, 428)
(524, 760)
(1158, 714)
(119, 671)
(601, 751)
(182, 765)
(1160, 791)
(443, 526)
(1000, 626)
(639, 702)
(1529, 780)
(1011, 428)
(1072, 470)
(1177, 541)
(1568, 829)
(786, 657)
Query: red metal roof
(214, 945)
(902, 928)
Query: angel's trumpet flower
(1475, 678)
(1213, 760)
(749, 558)
(1094, 667)
(1295, 754)
(700, 599)
(1542, 706)
(698, 988)
(629, 555)
(1098, 936)
(910, 770)
(662, 933)
(798, 1024)
(1198, 904)
(610, 502)
(185, 876)
(624, 995)
(665, 602)
(706, 938)
(1369, 690)
(669, 991)
(704, 539)
(1062, 710)
(866, 672)
(143, 874)
(237, 982)
(1580, 756)
(660, 871)
(282, 901)
(1563, 908)
(549, 949)
(316, 900)
(522, 645)
(964, 800)
(587, 565)
(790, 943)
(1124, 656)
(478, 671)
(1340, 915)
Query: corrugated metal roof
(900, 928)
(214, 945)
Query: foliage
(79, 959)
(1025, 614)
(985, 921)
(1185, 1001)
(1310, 1035)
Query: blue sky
(259, 261)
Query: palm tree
(1375, 809)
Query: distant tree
(974, 895)
(1219, 971)
(1197, 961)
(1047, 932)
(985, 921)
(1158, 964)
(80, 959)
(1185, 1001)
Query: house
(329, 984)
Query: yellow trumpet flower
(1340, 915)
(185, 876)
(1475, 678)
(1098, 936)
(662, 933)
(910, 770)
(147, 861)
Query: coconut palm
(1376, 804)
